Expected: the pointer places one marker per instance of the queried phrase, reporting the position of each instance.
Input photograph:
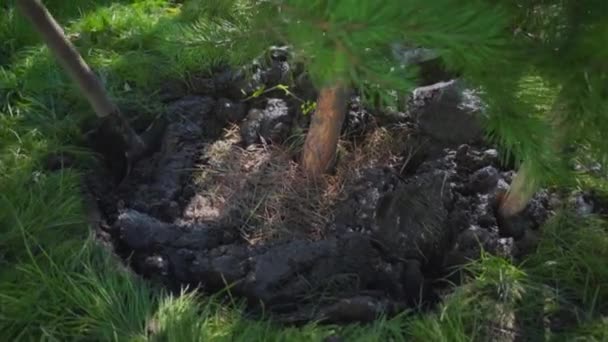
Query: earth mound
(223, 205)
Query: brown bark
(524, 186)
(322, 138)
(69, 58)
(519, 194)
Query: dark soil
(184, 216)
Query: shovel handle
(68, 57)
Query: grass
(58, 284)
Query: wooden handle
(67, 56)
(322, 138)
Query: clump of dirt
(223, 203)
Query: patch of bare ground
(224, 204)
(262, 190)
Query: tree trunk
(524, 186)
(520, 193)
(322, 138)
(69, 58)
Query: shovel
(115, 137)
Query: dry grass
(262, 191)
(381, 147)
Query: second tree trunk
(324, 132)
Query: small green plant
(306, 106)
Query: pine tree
(347, 44)
(560, 92)
(538, 63)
